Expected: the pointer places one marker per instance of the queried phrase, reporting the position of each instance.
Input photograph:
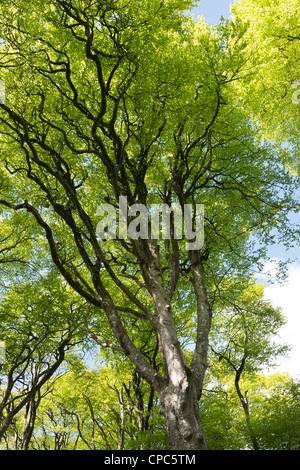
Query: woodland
(144, 343)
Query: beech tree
(99, 409)
(242, 338)
(273, 35)
(125, 101)
(274, 402)
(38, 330)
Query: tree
(38, 329)
(98, 410)
(277, 399)
(114, 103)
(274, 412)
(273, 35)
(243, 332)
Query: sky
(212, 10)
(285, 295)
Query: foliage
(38, 328)
(135, 100)
(90, 409)
(278, 397)
(244, 328)
(272, 36)
(274, 403)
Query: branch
(103, 344)
(54, 251)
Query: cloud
(287, 295)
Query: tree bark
(44, 377)
(245, 405)
(180, 397)
(29, 420)
(180, 408)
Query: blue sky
(212, 10)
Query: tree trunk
(29, 420)
(245, 405)
(181, 391)
(122, 423)
(180, 408)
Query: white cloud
(271, 268)
(287, 296)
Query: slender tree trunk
(244, 402)
(245, 405)
(122, 423)
(35, 388)
(29, 420)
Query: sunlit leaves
(273, 42)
